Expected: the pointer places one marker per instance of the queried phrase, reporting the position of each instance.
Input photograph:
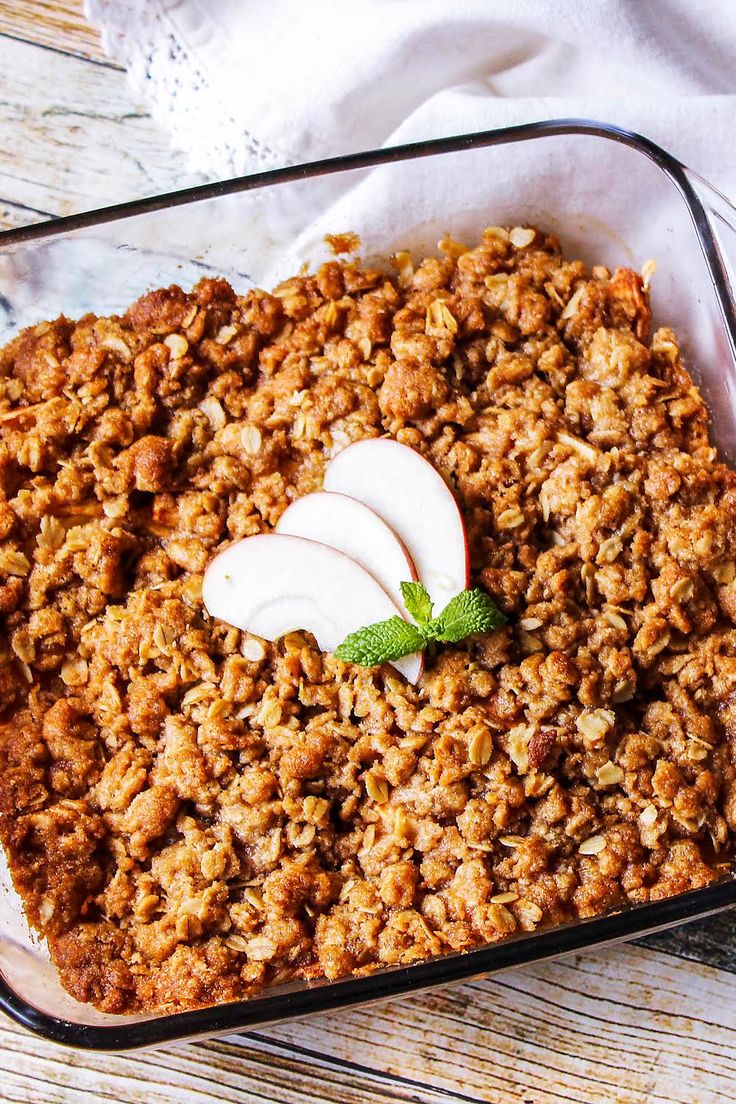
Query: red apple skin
(354, 529)
(466, 544)
(393, 454)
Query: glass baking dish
(611, 196)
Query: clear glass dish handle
(721, 214)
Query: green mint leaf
(381, 643)
(417, 602)
(470, 611)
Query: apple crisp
(191, 813)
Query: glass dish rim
(576, 935)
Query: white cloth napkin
(243, 85)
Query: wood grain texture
(73, 138)
(57, 24)
(18, 214)
(625, 1026)
(711, 941)
(633, 1025)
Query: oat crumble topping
(190, 813)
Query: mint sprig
(469, 612)
(381, 642)
(417, 602)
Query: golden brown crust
(191, 814)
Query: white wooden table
(652, 1023)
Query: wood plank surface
(72, 137)
(653, 1023)
(711, 941)
(57, 24)
(623, 1026)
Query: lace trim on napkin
(163, 71)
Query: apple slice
(350, 527)
(272, 584)
(412, 497)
